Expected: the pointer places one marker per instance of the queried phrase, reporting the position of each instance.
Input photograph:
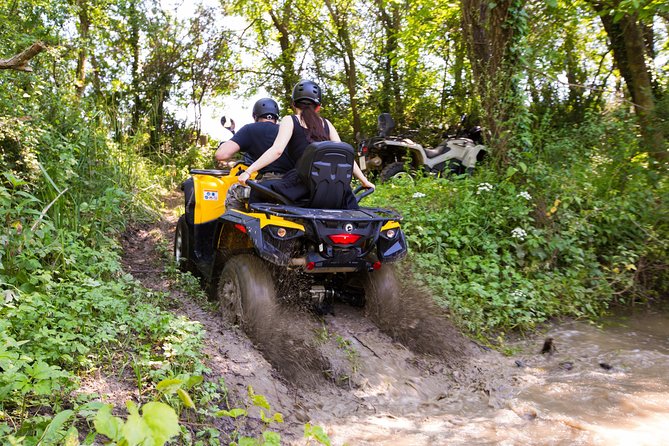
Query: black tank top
(299, 141)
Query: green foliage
(316, 433)
(260, 403)
(563, 232)
(155, 426)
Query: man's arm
(226, 150)
(274, 152)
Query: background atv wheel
(182, 247)
(394, 170)
(246, 294)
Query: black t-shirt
(299, 140)
(254, 139)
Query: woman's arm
(357, 172)
(334, 136)
(274, 152)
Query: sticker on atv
(211, 195)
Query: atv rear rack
(362, 214)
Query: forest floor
(359, 385)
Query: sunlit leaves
(156, 424)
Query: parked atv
(312, 251)
(396, 156)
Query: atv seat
(326, 169)
(442, 148)
(386, 124)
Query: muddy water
(605, 385)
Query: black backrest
(326, 169)
(386, 124)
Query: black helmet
(307, 90)
(265, 108)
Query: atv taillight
(241, 228)
(376, 265)
(344, 239)
(310, 266)
(365, 149)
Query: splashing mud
(410, 316)
(398, 373)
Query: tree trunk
(137, 107)
(20, 61)
(627, 42)
(489, 37)
(642, 90)
(341, 24)
(84, 30)
(287, 58)
(391, 100)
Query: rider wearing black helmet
(296, 132)
(254, 139)
(266, 108)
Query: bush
(552, 236)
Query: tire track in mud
(375, 378)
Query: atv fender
(391, 244)
(260, 232)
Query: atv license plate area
(363, 163)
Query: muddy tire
(394, 170)
(183, 253)
(410, 316)
(248, 298)
(246, 294)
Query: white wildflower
(418, 195)
(483, 187)
(599, 160)
(526, 195)
(519, 233)
(518, 295)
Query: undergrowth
(570, 230)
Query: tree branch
(20, 61)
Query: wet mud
(396, 372)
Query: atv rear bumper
(322, 240)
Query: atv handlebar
(362, 195)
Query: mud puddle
(377, 391)
(599, 386)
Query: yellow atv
(307, 251)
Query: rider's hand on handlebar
(243, 177)
(367, 184)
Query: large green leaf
(162, 420)
(107, 424)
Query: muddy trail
(405, 378)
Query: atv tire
(246, 294)
(382, 295)
(182, 247)
(394, 170)
(411, 317)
